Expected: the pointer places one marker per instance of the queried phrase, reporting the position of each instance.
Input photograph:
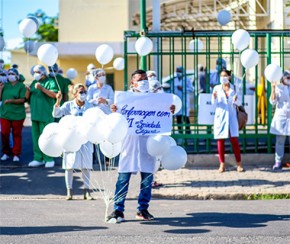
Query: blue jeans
(122, 186)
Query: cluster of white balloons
(164, 148)
(241, 40)
(95, 126)
(105, 53)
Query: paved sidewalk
(21, 182)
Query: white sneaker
(16, 159)
(35, 163)
(4, 157)
(49, 164)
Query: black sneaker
(144, 215)
(115, 217)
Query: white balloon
(70, 140)
(68, 122)
(47, 54)
(172, 141)
(93, 115)
(249, 58)
(118, 64)
(2, 43)
(109, 149)
(175, 158)
(157, 164)
(104, 54)
(35, 20)
(143, 46)
(157, 145)
(28, 27)
(48, 141)
(241, 39)
(224, 17)
(115, 127)
(196, 43)
(273, 72)
(71, 73)
(94, 132)
(80, 125)
(29, 46)
(177, 102)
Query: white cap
(90, 67)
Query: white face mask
(102, 79)
(12, 78)
(152, 78)
(37, 76)
(224, 80)
(82, 97)
(287, 82)
(143, 86)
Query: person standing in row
(13, 114)
(82, 159)
(280, 126)
(225, 119)
(42, 98)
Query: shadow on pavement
(24, 230)
(231, 220)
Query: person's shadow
(231, 220)
(32, 230)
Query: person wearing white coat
(134, 158)
(225, 119)
(82, 159)
(184, 89)
(280, 126)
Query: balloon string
(56, 79)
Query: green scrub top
(12, 111)
(41, 105)
(63, 83)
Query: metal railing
(171, 50)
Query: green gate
(171, 49)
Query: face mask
(12, 78)
(178, 74)
(224, 80)
(143, 86)
(82, 97)
(37, 76)
(152, 78)
(52, 74)
(287, 82)
(102, 79)
(1, 66)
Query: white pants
(69, 178)
(280, 147)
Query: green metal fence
(171, 50)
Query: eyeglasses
(82, 92)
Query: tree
(48, 27)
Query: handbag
(242, 117)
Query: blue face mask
(178, 74)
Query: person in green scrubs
(12, 95)
(43, 92)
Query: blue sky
(15, 10)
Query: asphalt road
(177, 221)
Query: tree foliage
(48, 27)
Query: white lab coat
(134, 156)
(83, 158)
(189, 92)
(281, 121)
(106, 92)
(225, 119)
